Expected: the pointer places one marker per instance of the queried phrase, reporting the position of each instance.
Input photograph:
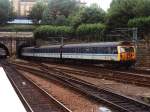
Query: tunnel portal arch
(5, 48)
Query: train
(116, 53)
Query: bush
(17, 28)
(142, 22)
(143, 25)
(46, 31)
(90, 29)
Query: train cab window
(126, 49)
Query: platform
(9, 100)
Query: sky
(104, 4)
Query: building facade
(23, 7)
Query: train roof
(85, 45)
(98, 44)
(51, 46)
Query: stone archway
(5, 48)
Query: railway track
(108, 74)
(34, 98)
(124, 77)
(96, 68)
(114, 100)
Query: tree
(86, 15)
(49, 19)
(4, 11)
(12, 14)
(58, 10)
(143, 24)
(121, 11)
(37, 12)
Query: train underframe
(114, 64)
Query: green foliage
(17, 28)
(86, 15)
(121, 11)
(49, 19)
(46, 31)
(58, 11)
(37, 12)
(4, 11)
(61, 7)
(90, 30)
(12, 14)
(142, 23)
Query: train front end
(127, 54)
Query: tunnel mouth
(20, 47)
(2, 46)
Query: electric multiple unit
(122, 53)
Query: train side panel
(107, 53)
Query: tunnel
(4, 52)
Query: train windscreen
(126, 49)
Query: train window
(94, 50)
(53, 50)
(83, 50)
(30, 50)
(113, 50)
(58, 50)
(103, 50)
(73, 50)
(49, 50)
(126, 49)
(46, 50)
(79, 50)
(109, 50)
(68, 50)
(39, 50)
(76, 50)
(100, 50)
